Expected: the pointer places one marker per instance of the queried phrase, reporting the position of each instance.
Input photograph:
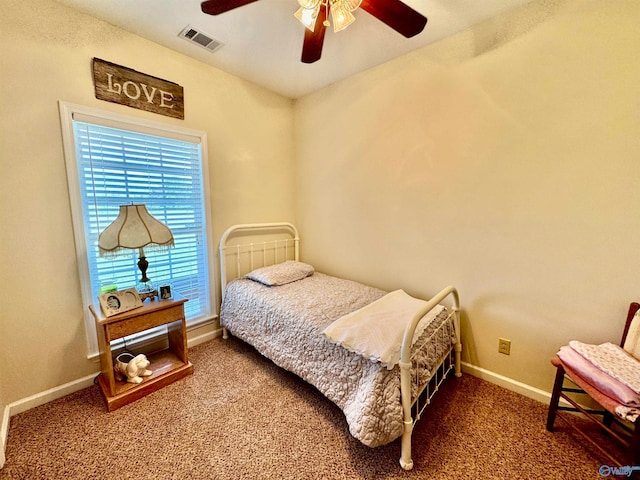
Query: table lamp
(136, 228)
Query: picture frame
(165, 292)
(120, 301)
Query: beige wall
(504, 161)
(46, 52)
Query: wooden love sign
(118, 84)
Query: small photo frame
(119, 301)
(164, 292)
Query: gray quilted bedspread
(284, 324)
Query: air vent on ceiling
(196, 36)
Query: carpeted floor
(241, 417)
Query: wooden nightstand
(167, 365)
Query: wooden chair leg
(607, 421)
(635, 444)
(555, 397)
(607, 418)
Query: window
(113, 161)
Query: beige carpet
(240, 417)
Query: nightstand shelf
(167, 365)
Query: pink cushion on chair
(606, 402)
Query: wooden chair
(627, 433)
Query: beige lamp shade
(134, 228)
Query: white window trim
(67, 111)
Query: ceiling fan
(314, 14)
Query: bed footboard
(426, 389)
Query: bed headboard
(246, 247)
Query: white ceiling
(263, 40)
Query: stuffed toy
(134, 370)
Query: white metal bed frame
(289, 247)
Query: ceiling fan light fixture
(394, 13)
(341, 16)
(340, 12)
(351, 5)
(309, 3)
(308, 16)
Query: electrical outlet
(504, 346)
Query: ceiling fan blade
(216, 7)
(312, 46)
(402, 18)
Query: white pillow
(632, 342)
(281, 273)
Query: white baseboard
(34, 401)
(205, 337)
(4, 432)
(75, 385)
(50, 395)
(62, 390)
(66, 389)
(507, 383)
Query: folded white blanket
(376, 330)
(613, 360)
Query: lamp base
(147, 290)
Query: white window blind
(121, 166)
